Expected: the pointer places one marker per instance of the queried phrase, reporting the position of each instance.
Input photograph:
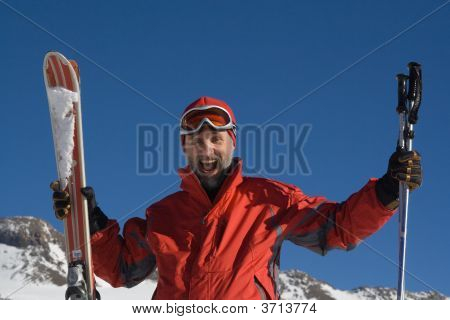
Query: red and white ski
(63, 91)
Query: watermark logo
(269, 150)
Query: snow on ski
(63, 119)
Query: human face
(209, 153)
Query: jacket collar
(191, 184)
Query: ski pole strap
(415, 90)
(402, 96)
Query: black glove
(97, 219)
(61, 201)
(61, 205)
(404, 166)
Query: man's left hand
(404, 166)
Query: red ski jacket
(230, 249)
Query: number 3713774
(288, 307)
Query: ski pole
(408, 107)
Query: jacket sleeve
(122, 261)
(321, 225)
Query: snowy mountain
(298, 285)
(31, 250)
(32, 266)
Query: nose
(206, 149)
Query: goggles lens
(194, 118)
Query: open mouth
(208, 166)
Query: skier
(220, 236)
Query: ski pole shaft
(403, 227)
(403, 196)
(407, 108)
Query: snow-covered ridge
(31, 250)
(22, 232)
(297, 285)
(32, 266)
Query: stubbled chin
(210, 180)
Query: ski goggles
(215, 116)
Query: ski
(62, 83)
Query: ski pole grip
(415, 90)
(415, 75)
(401, 79)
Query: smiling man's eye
(216, 138)
(194, 141)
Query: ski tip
(75, 68)
(59, 55)
(55, 66)
(51, 53)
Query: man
(220, 236)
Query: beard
(211, 179)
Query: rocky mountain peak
(22, 232)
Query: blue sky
(260, 57)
